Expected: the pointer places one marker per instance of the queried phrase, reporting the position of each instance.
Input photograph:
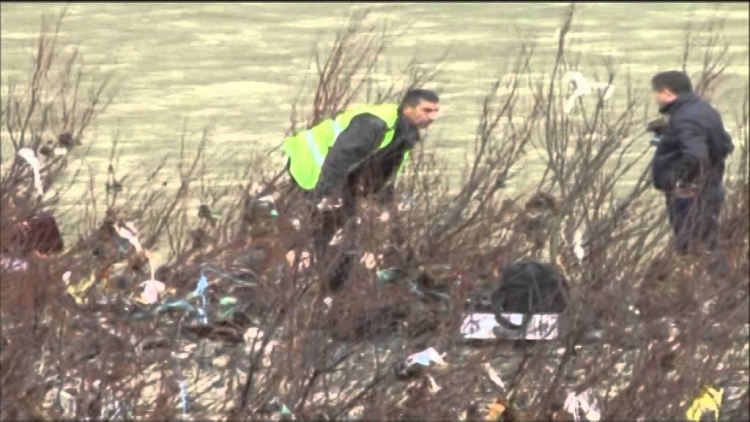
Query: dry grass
(283, 345)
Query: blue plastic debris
(200, 290)
(183, 397)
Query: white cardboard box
(482, 326)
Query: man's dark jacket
(355, 161)
(693, 146)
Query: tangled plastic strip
(200, 290)
(31, 158)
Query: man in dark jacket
(356, 154)
(689, 162)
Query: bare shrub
(88, 350)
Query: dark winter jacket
(693, 147)
(354, 159)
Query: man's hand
(329, 203)
(657, 126)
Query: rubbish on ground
(434, 387)
(130, 233)
(78, 290)
(583, 407)
(68, 403)
(426, 358)
(369, 260)
(582, 87)
(60, 152)
(228, 301)
(495, 410)
(416, 364)
(31, 158)
(152, 287)
(178, 304)
(200, 290)
(227, 276)
(484, 326)
(494, 376)
(12, 264)
(227, 304)
(282, 412)
(151, 290)
(708, 401)
(386, 275)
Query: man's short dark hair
(675, 81)
(414, 96)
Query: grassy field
(238, 66)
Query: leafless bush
(88, 350)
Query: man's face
(664, 97)
(422, 114)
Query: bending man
(356, 154)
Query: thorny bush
(75, 343)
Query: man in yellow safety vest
(358, 153)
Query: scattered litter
(496, 410)
(151, 290)
(484, 326)
(31, 158)
(582, 87)
(282, 412)
(434, 387)
(494, 376)
(130, 233)
(200, 290)
(337, 238)
(418, 363)
(152, 287)
(386, 275)
(578, 250)
(60, 152)
(228, 301)
(253, 333)
(183, 397)
(304, 260)
(369, 260)
(708, 401)
(68, 403)
(583, 407)
(227, 276)
(178, 304)
(78, 290)
(13, 264)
